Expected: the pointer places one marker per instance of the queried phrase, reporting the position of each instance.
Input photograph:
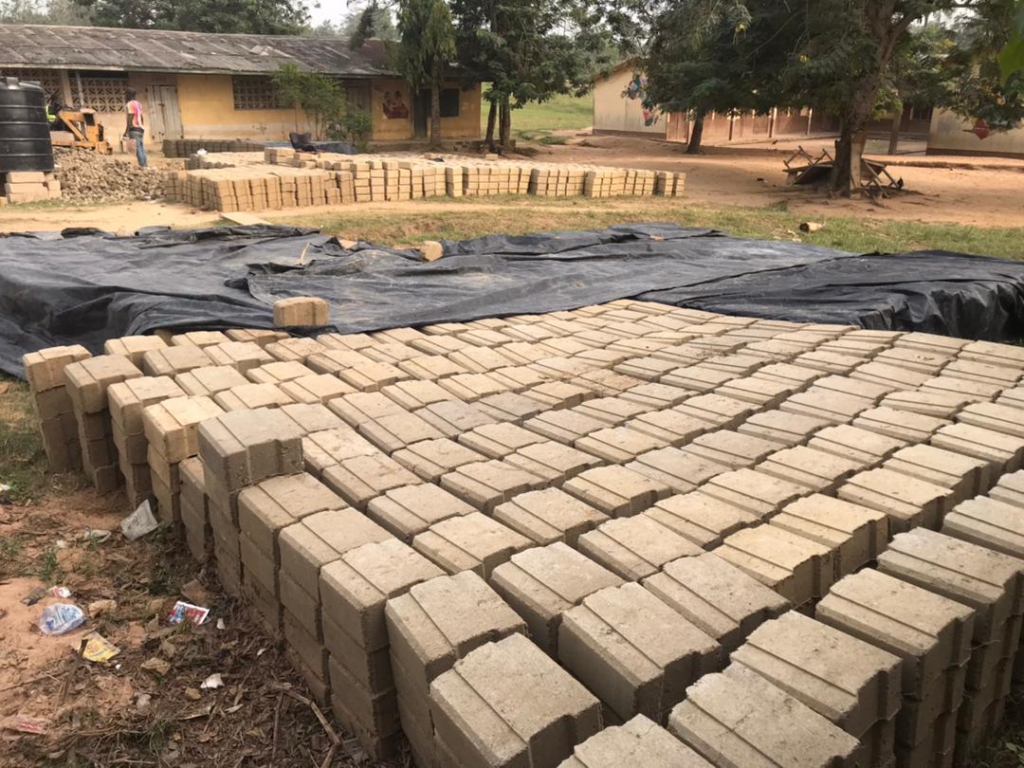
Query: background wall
(615, 112)
(950, 134)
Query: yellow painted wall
(207, 111)
(949, 133)
(390, 95)
(615, 112)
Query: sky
(331, 10)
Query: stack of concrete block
(430, 628)
(28, 187)
(993, 585)
(480, 713)
(931, 634)
(849, 682)
(52, 404)
(637, 742)
(127, 401)
(87, 382)
(133, 347)
(195, 510)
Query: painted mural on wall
(636, 90)
(394, 106)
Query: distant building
(200, 85)
(951, 134)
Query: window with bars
(103, 93)
(49, 79)
(253, 92)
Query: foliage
(425, 50)
(354, 126)
(373, 21)
(320, 97)
(64, 12)
(1011, 57)
(259, 17)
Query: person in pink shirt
(135, 128)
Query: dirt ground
(974, 191)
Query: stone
(361, 479)
(700, 517)
(635, 547)
(482, 718)
(857, 534)
(616, 491)
(718, 598)
(431, 459)
(738, 718)
(845, 680)
(816, 470)
(470, 542)
(411, 510)
(486, 484)
(497, 441)
(754, 492)
(542, 583)
(786, 429)
(797, 568)
(634, 651)
(169, 361)
(966, 476)
(639, 742)
(209, 380)
(548, 516)
(907, 501)
(676, 469)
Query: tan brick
(499, 440)
(552, 462)
(259, 336)
(548, 516)
(315, 389)
(198, 339)
(471, 542)
(964, 475)
(300, 311)
(857, 534)
(361, 479)
(700, 518)
(635, 652)
(278, 372)
(1010, 489)
(793, 375)
(1003, 452)
(171, 361)
(640, 741)
(1006, 355)
(816, 470)
(999, 418)
(635, 547)
(619, 444)
(326, 448)
(828, 362)
(240, 355)
(87, 380)
(479, 710)
(971, 370)
(510, 406)
(907, 501)
(453, 417)
(845, 680)
(786, 429)
(942, 405)
(670, 426)
(266, 508)
(127, 400)
(561, 394)
(250, 396)
(171, 426)
(739, 718)
(915, 359)
(754, 492)
(969, 389)
(209, 380)
(487, 484)
(734, 450)
(411, 510)
(902, 425)
(45, 369)
(617, 491)
(244, 447)
(856, 444)
(826, 404)
(133, 347)
(294, 349)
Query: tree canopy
(260, 17)
(425, 50)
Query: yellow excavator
(76, 128)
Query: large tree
(260, 17)
(425, 50)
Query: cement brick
(990, 582)
(999, 418)
(320, 388)
(902, 425)
(670, 426)
(87, 380)
(816, 470)
(431, 459)
(828, 362)
(45, 369)
(617, 491)
(509, 406)
(414, 393)
(857, 534)
(170, 361)
(716, 597)
(297, 349)
(720, 411)
(738, 718)
(361, 479)
(198, 339)
(635, 547)
(497, 441)
(209, 380)
(754, 492)
(892, 375)
(640, 741)
(915, 359)
(372, 376)
(762, 392)
(171, 426)
(655, 395)
(250, 396)
(797, 568)
(561, 394)
(127, 400)
(860, 445)
(264, 509)
(646, 368)
(675, 469)
(486, 484)
(930, 342)
(452, 418)
(133, 347)
(942, 405)
(481, 360)
(931, 633)
(548, 516)
(565, 426)
(613, 411)
(972, 370)
(786, 429)
(542, 583)
(329, 447)
(259, 336)
(964, 475)
(240, 355)
(907, 501)
(1005, 355)
(1012, 397)
(700, 518)
(1004, 453)
(431, 367)
(697, 378)
(826, 404)
(481, 717)
(244, 447)
(411, 510)
(734, 450)
(618, 445)
(471, 542)
(990, 523)
(975, 391)
(278, 372)
(793, 375)
(634, 651)
(552, 462)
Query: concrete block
(133, 347)
(860, 445)
(999, 418)
(816, 470)
(700, 518)
(471, 542)
(170, 361)
(209, 380)
(987, 581)
(931, 342)
(634, 651)
(891, 374)
(481, 359)
(670, 426)
(972, 390)
(259, 336)
(845, 680)
(470, 387)
(542, 583)
(497, 441)
(786, 429)
(762, 392)
(966, 476)
(431, 459)
(721, 600)
(826, 404)
(509, 406)
(655, 395)
(486, 484)
(278, 372)
(415, 393)
(613, 411)
(857, 534)
(394, 432)
(548, 516)
(88, 379)
(754, 492)
(411, 510)
(617, 491)
(734, 450)
(561, 394)
(646, 368)
(250, 396)
(635, 547)
(675, 469)
(431, 367)
(372, 376)
(240, 355)
(171, 426)
(940, 404)
(334, 361)
(828, 362)
(794, 375)
(797, 568)
(972, 370)
(482, 718)
(552, 462)
(244, 447)
(329, 447)
(899, 424)
(320, 388)
(45, 369)
(565, 425)
(915, 359)
(907, 501)
(453, 417)
(931, 633)
(1010, 489)
(697, 378)
(361, 479)
(638, 742)
(297, 349)
(1003, 452)
(720, 411)
(127, 399)
(275, 503)
(198, 339)
(1005, 355)
(618, 445)
(738, 718)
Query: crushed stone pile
(88, 177)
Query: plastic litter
(96, 534)
(183, 611)
(5, 493)
(60, 592)
(96, 648)
(140, 522)
(60, 618)
(213, 681)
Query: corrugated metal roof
(151, 50)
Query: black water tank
(24, 131)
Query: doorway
(164, 118)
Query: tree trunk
(894, 132)
(696, 134)
(506, 124)
(492, 118)
(435, 115)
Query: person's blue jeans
(140, 146)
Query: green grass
(534, 122)
(516, 215)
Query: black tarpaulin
(93, 286)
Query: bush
(355, 126)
